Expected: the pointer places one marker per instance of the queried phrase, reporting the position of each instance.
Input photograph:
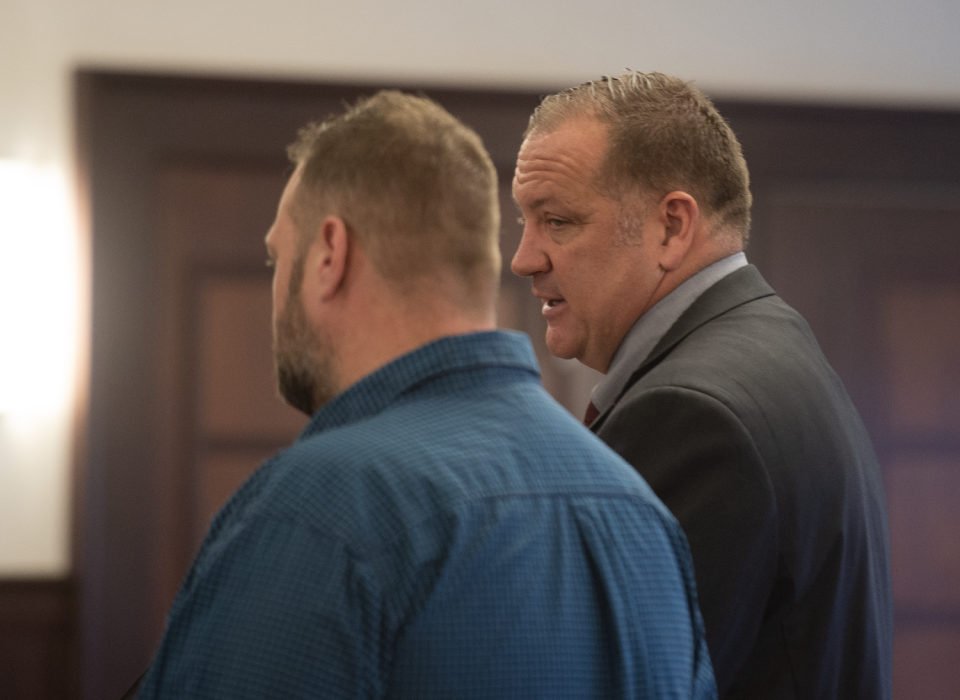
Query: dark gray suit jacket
(742, 428)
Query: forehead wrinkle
(553, 160)
(558, 184)
(560, 168)
(549, 182)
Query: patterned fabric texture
(441, 529)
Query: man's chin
(561, 345)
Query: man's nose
(529, 258)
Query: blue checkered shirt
(441, 529)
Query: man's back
(441, 529)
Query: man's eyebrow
(535, 204)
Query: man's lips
(550, 298)
(550, 303)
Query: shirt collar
(454, 353)
(651, 327)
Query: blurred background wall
(884, 54)
(877, 52)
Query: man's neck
(647, 331)
(391, 329)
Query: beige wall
(887, 52)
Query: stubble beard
(303, 358)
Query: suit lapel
(739, 287)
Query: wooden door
(217, 409)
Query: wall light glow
(40, 299)
(38, 292)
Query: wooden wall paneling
(242, 420)
(38, 640)
(849, 204)
(925, 663)
(212, 220)
(184, 174)
(875, 269)
(115, 544)
(921, 347)
(921, 337)
(238, 396)
(924, 494)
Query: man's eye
(555, 223)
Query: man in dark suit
(636, 206)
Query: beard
(303, 358)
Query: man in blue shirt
(441, 528)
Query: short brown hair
(414, 185)
(664, 135)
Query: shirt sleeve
(699, 459)
(270, 609)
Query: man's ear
(679, 215)
(328, 259)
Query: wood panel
(241, 420)
(925, 664)
(876, 272)
(921, 341)
(924, 495)
(212, 368)
(38, 658)
(238, 395)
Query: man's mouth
(549, 299)
(552, 303)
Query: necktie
(591, 414)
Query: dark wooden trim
(927, 619)
(38, 649)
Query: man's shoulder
(435, 455)
(755, 341)
(737, 326)
(758, 375)
(759, 328)
(757, 361)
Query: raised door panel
(217, 414)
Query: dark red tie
(591, 414)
